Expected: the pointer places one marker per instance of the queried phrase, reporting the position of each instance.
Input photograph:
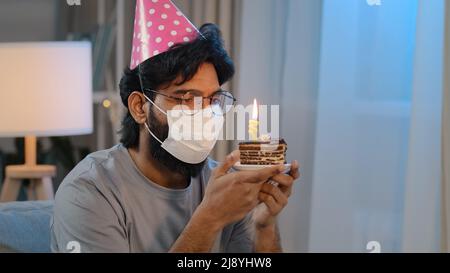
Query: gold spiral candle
(253, 123)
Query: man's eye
(216, 101)
(188, 96)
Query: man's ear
(136, 106)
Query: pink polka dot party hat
(158, 25)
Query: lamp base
(40, 188)
(30, 171)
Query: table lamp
(45, 90)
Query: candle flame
(255, 110)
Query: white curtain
(360, 92)
(377, 169)
(362, 127)
(421, 225)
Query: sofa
(25, 226)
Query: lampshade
(45, 89)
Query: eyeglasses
(221, 101)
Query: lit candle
(253, 123)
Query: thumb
(227, 163)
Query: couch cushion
(25, 226)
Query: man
(152, 193)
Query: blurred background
(363, 94)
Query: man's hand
(230, 196)
(275, 198)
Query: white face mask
(191, 137)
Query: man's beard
(161, 131)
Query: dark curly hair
(182, 60)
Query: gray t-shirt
(105, 204)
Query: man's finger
(276, 193)
(273, 207)
(283, 179)
(225, 166)
(294, 170)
